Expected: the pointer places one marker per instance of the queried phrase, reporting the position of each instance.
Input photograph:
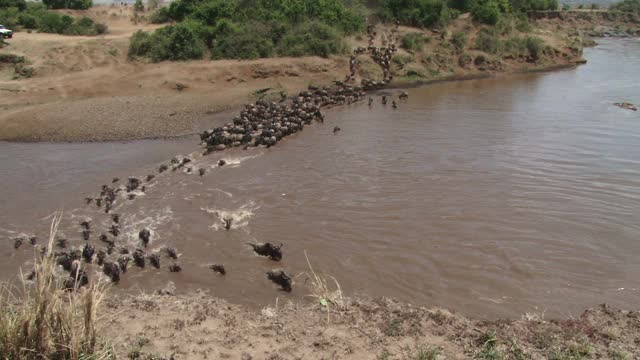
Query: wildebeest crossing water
(492, 197)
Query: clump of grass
(489, 350)
(322, 292)
(421, 353)
(45, 321)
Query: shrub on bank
(459, 41)
(528, 47)
(18, 4)
(230, 29)
(68, 4)
(177, 42)
(160, 16)
(35, 16)
(413, 41)
(11, 59)
(534, 5)
(489, 11)
(488, 41)
(312, 38)
(243, 42)
(421, 13)
(627, 6)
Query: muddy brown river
(491, 197)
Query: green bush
(534, 5)
(183, 41)
(249, 29)
(516, 46)
(465, 60)
(19, 4)
(9, 17)
(627, 6)
(459, 41)
(160, 16)
(290, 12)
(68, 4)
(243, 42)
(413, 41)
(27, 20)
(312, 38)
(535, 46)
(79, 4)
(51, 22)
(488, 42)
(488, 11)
(421, 13)
(139, 44)
(82, 26)
(138, 6)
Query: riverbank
(85, 89)
(198, 326)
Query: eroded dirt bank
(199, 326)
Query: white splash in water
(146, 219)
(239, 216)
(236, 161)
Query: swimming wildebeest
(112, 271)
(280, 278)
(138, 258)
(218, 268)
(175, 268)
(145, 236)
(171, 252)
(154, 260)
(271, 251)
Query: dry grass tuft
(322, 292)
(44, 321)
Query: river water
(491, 197)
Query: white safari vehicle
(5, 33)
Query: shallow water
(492, 197)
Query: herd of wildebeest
(264, 123)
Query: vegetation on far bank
(632, 6)
(241, 29)
(19, 14)
(249, 29)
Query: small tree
(138, 6)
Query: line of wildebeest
(260, 124)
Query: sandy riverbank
(198, 326)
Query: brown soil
(85, 89)
(201, 327)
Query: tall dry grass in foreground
(45, 321)
(330, 299)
